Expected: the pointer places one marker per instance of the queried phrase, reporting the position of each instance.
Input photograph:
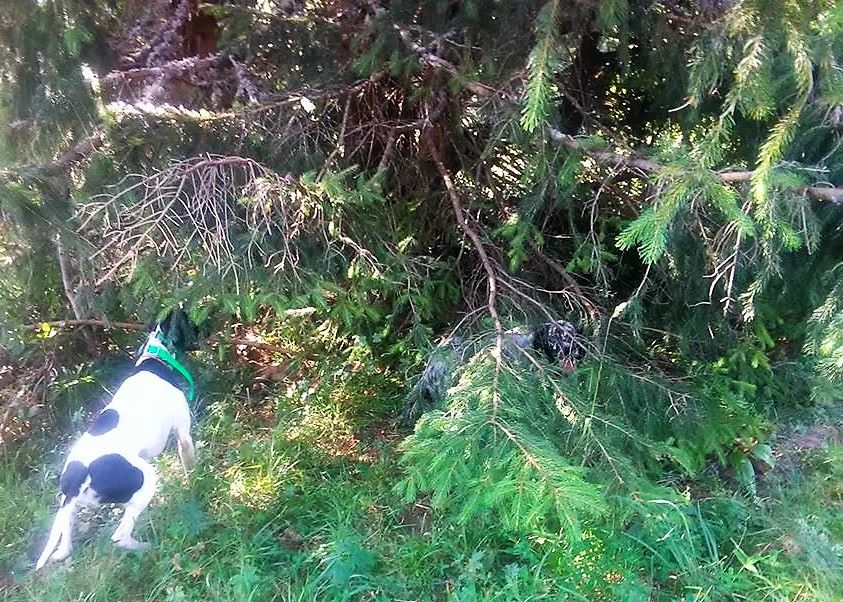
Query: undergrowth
(665, 174)
(301, 492)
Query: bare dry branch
(570, 283)
(491, 274)
(459, 212)
(208, 200)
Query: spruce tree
(667, 174)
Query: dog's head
(178, 331)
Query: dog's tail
(73, 480)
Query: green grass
(294, 498)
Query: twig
(614, 159)
(72, 297)
(821, 193)
(340, 140)
(437, 62)
(239, 341)
(64, 268)
(191, 63)
(268, 104)
(569, 280)
(459, 212)
(388, 150)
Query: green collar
(155, 348)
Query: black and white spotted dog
(560, 341)
(110, 462)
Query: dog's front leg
(58, 544)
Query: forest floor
(293, 498)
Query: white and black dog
(110, 462)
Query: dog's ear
(165, 323)
(183, 333)
(190, 336)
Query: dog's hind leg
(187, 453)
(58, 544)
(122, 536)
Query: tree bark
(648, 166)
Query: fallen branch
(102, 323)
(648, 166)
(139, 327)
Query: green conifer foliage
(667, 174)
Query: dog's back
(137, 422)
(108, 464)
